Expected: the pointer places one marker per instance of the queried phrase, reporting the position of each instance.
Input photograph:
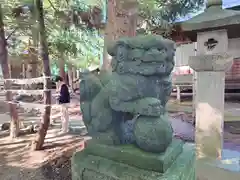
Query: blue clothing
(64, 95)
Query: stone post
(210, 65)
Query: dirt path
(18, 162)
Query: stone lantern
(211, 30)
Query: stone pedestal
(126, 162)
(210, 85)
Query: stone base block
(126, 162)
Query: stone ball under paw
(127, 131)
(153, 134)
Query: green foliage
(79, 43)
(16, 29)
(168, 10)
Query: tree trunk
(33, 54)
(122, 22)
(32, 65)
(70, 76)
(14, 128)
(33, 60)
(39, 141)
(73, 77)
(62, 67)
(31, 68)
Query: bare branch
(51, 4)
(12, 33)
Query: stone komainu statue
(129, 104)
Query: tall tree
(38, 142)
(121, 22)
(14, 125)
(23, 14)
(156, 14)
(32, 50)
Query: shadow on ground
(18, 162)
(48, 171)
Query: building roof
(237, 8)
(214, 17)
(230, 3)
(226, 4)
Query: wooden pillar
(23, 70)
(178, 93)
(74, 76)
(194, 78)
(10, 70)
(23, 74)
(70, 76)
(77, 74)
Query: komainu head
(149, 55)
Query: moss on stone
(139, 85)
(182, 166)
(91, 167)
(153, 134)
(99, 168)
(131, 155)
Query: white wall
(234, 47)
(185, 50)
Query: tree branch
(12, 33)
(51, 4)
